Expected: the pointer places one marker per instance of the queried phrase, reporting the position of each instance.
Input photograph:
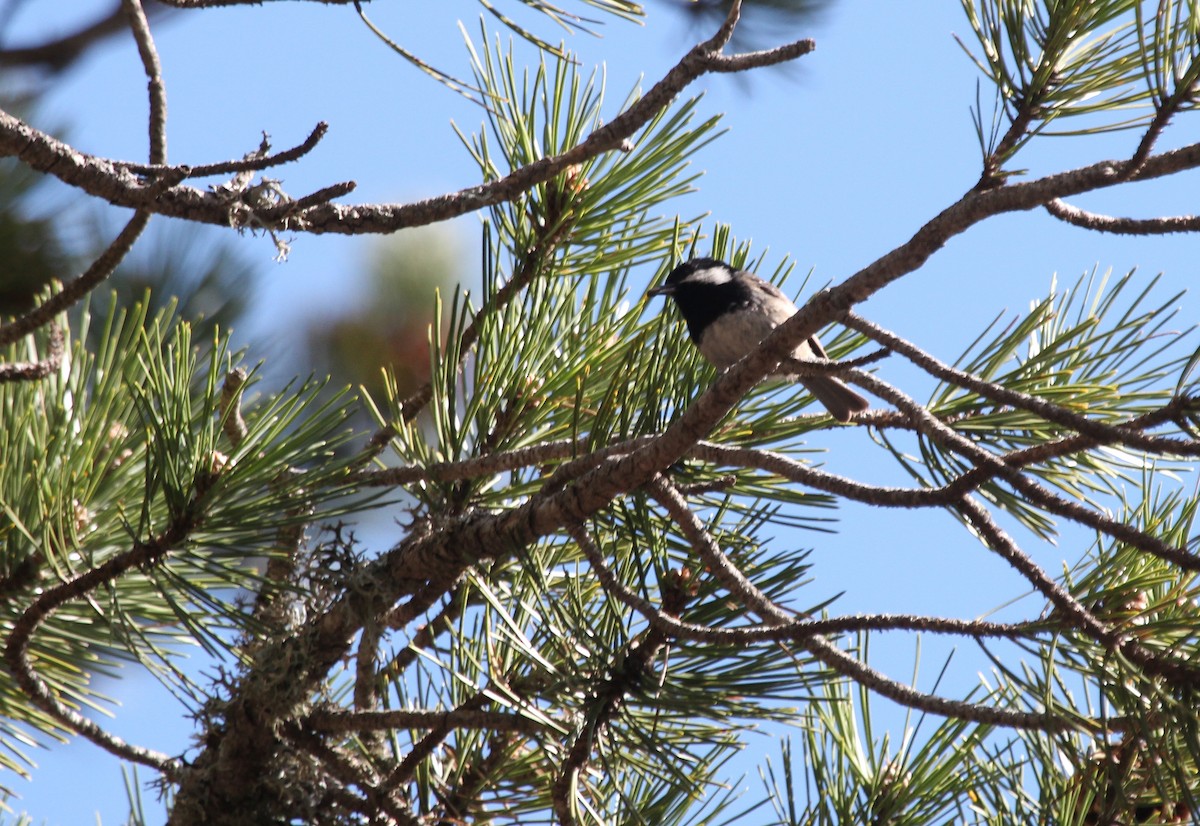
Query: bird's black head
(697, 271)
(704, 289)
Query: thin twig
(1162, 664)
(745, 591)
(16, 647)
(1033, 491)
(351, 772)
(216, 4)
(321, 196)
(101, 176)
(78, 287)
(34, 370)
(342, 722)
(1099, 431)
(1165, 110)
(425, 635)
(438, 731)
(254, 161)
(909, 697)
(61, 52)
(995, 538)
(627, 674)
(803, 632)
(1122, 226)
(474, 467)
(153, 68)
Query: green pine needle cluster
(606, 670)
(124, 445)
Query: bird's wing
(780, 308)
(781, 311)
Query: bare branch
(909, 697)
(745, 591)
(1122, 226)
(213, 4)
(60, 53)
(998, 540)
(1163, 664)
(253, 161)
(341, 722)
(33, 370)
(806, 633)
(1036, 493)
(110, 179)
(77, 288)
(153, 68)
(1100, 432)
(16, 647)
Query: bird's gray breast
(731, 336)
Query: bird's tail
(841, 402)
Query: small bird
(728, 312)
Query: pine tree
(584, 611)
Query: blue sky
(834, 162)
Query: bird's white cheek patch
(712, 275)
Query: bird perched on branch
(728, 312)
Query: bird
(728, 312)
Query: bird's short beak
(664, 289)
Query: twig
(801, 630)
(102, 177)
(438, 731)
(75, 289)
(1122, 226)
(1165, 110)
(321, 196)
(1049, 411)
(1163, 664)
(33, 370)
(569, 471)
(253, 162)
(214, 4)
(805, 633)
(745, 591)
(801, 473)
(995, 538)
(153, 68)
(425, 635)
(627, 673)
(535, 261)
(422, 600)
(1040, 495)
(900, 497)
(58, 54)
(16, 647)
(342, 722)
(475, 467)
(909, 697)
(366, 675)
(607, 578)
(351, 773)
